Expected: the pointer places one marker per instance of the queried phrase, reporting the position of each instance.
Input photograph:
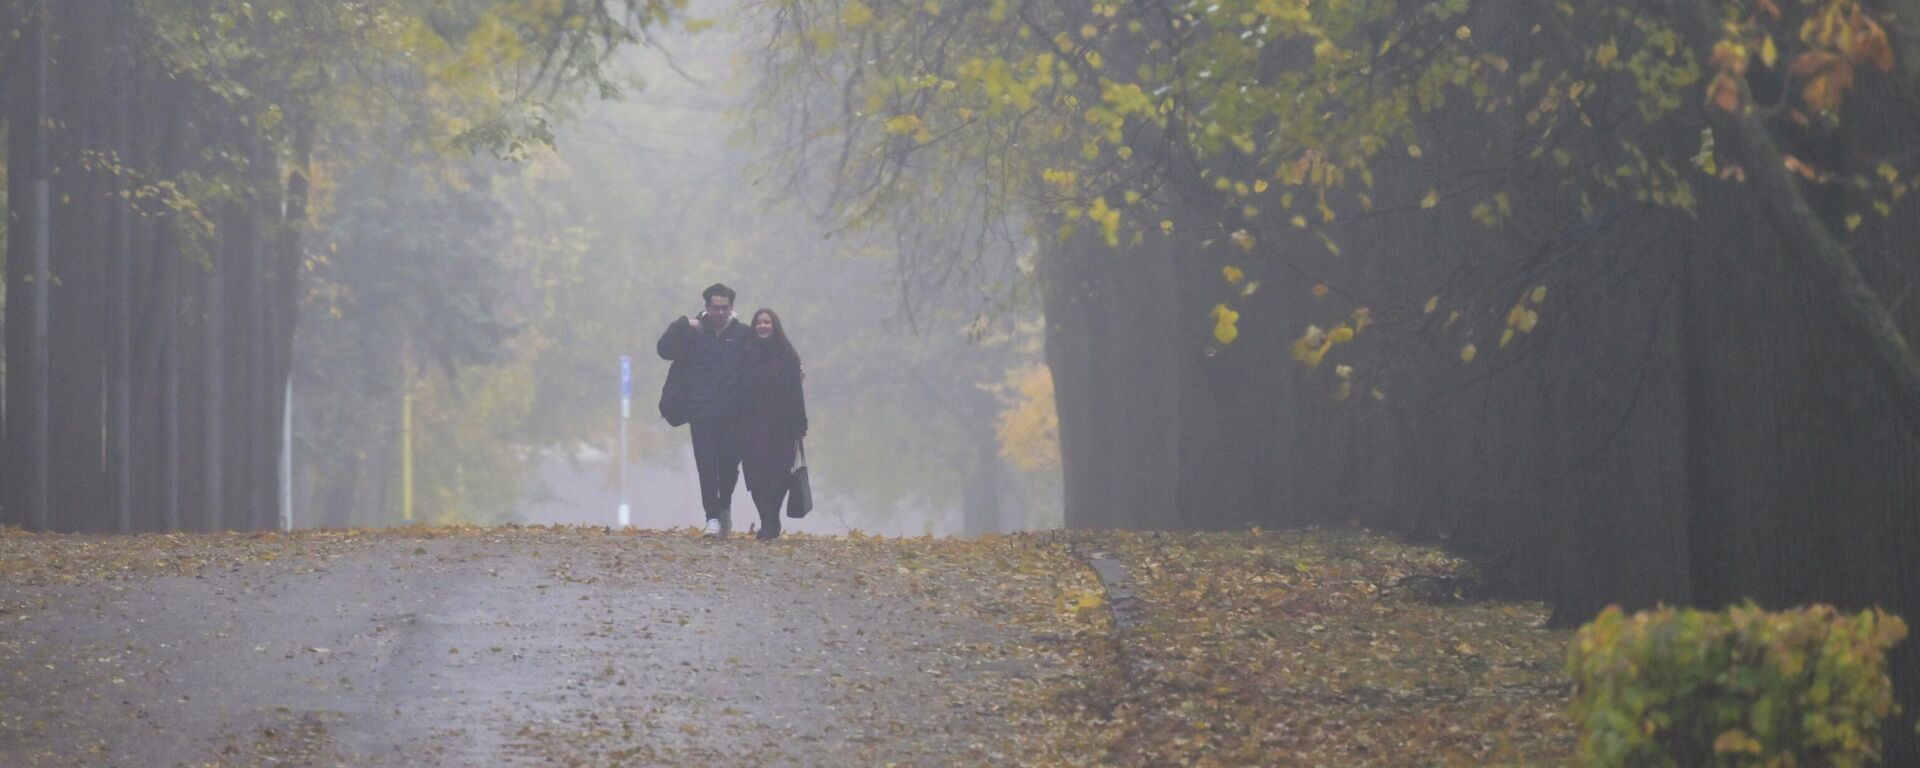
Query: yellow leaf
(1853, 221)
(1413, 150)
(1314, 357)
(1432, 199)
(1243, 239)
(903, 125)
(1232, 274)
(1304, 347)
(1225, 324)
(1506, 336)
(1468, 352)
(1327, 240)
(1340, 334)
(1260, 185)
(1736, 741)
(1769, 53)
(1539, 294)
(1433, 303)
(1166, 226)
(1320, 290)
(856, 14)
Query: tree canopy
(1270, 127)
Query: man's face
(719, 308)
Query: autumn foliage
(1741, 687)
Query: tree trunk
(119, 459)
(28, 279)
(213, 430)
(79, 261)
(981, 493)
(1112, 317)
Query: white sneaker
(713, 529)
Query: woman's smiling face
(763, 325)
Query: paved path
(523, 648)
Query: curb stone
(1124, 606)
(1122, 602)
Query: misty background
(501, 295)
(1613, 300)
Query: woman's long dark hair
(777, 343)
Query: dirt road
(524, 647)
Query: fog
(1615, 301)
(640, 203)
(1611, 300)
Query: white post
(286, 460)
(626, 412)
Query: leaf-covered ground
(1323, 648)
(520, 646)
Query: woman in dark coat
(775, 417)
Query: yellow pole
(406, 446)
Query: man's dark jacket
(705, 382)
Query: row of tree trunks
(163, 385)
(1701, 431)
(1709, 413)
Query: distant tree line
(161, 165)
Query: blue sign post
(626, 413)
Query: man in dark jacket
(705, 388)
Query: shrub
(1741, 687)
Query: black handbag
(800, 491)
(673, 396)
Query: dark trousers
(768, 502)
(716, 454)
